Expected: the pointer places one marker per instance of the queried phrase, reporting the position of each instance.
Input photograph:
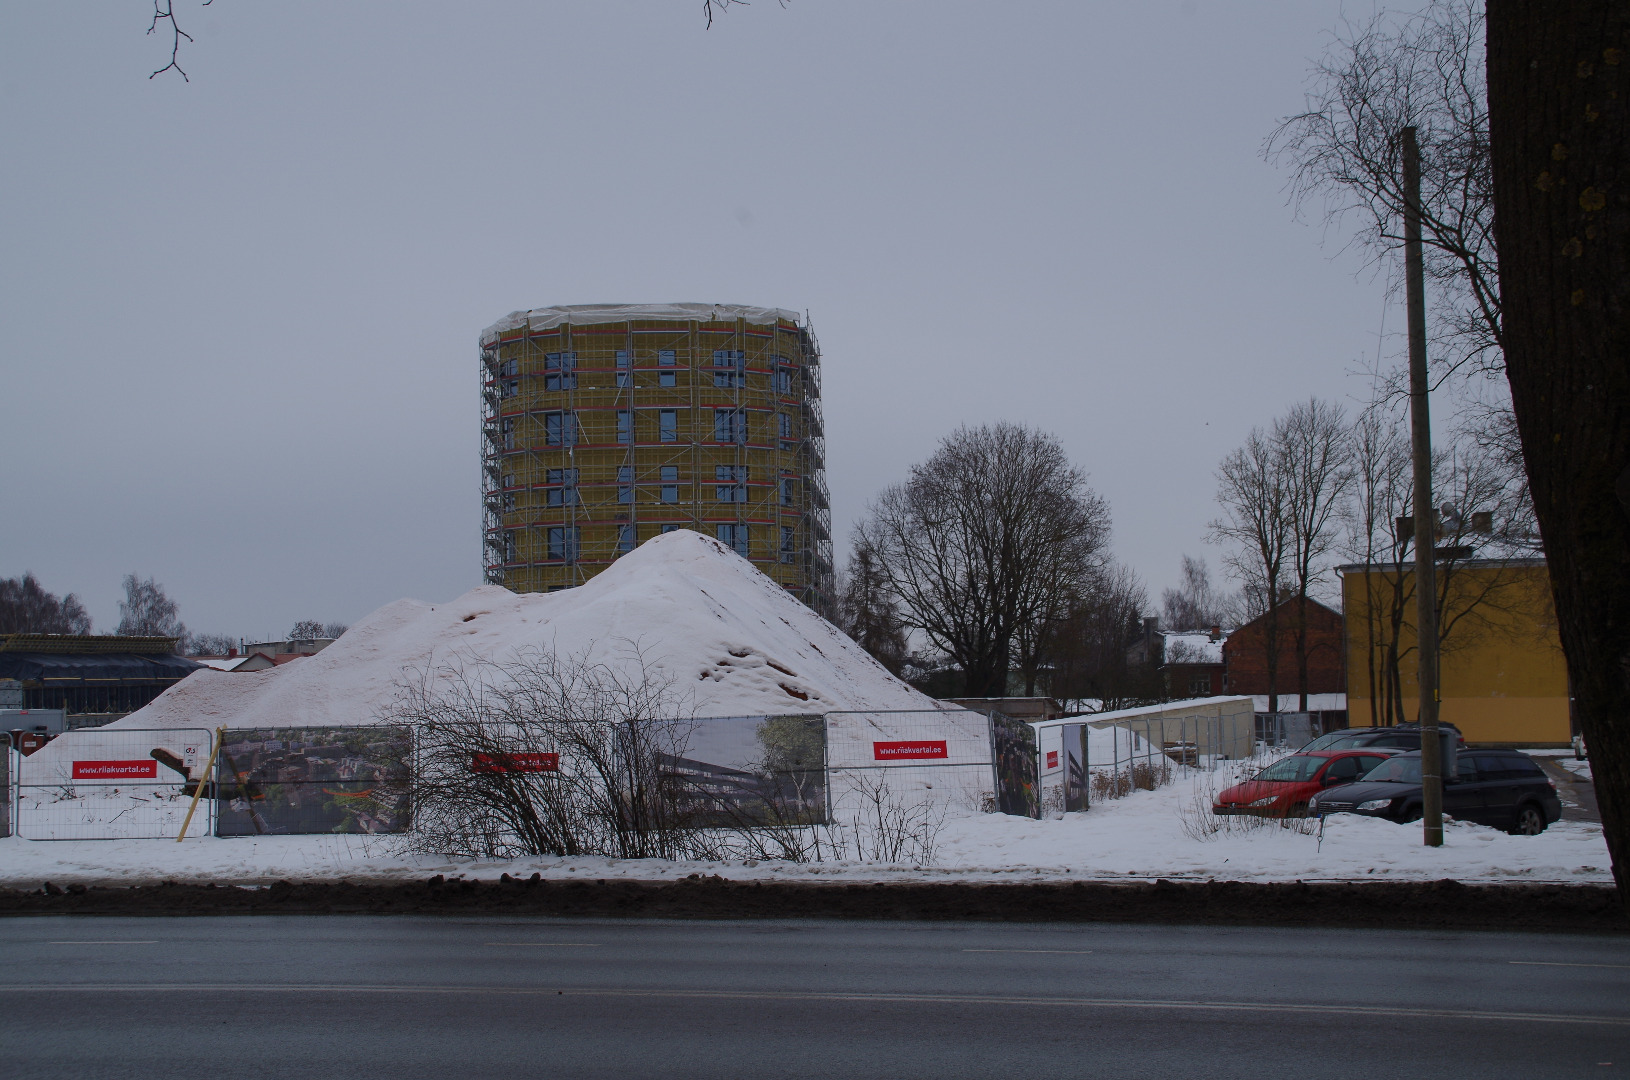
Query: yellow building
(1502, 677)
(605, 424)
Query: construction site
(603, 425)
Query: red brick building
(1245, 653)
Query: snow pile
(734, 642)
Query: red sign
(495, 763)
(141, 769)
(914, 748)
(1052, 759)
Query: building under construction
(603, 425)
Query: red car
(1283, 788)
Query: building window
(1200, 686)
(563, 543)
(783, 423)
(510, 388)
(667, 378)
(560, 429)
(511, 548)
(560, 371)
(625, 425)
(509, 502)
(508, 429)
(667, 358)
(786, 491)
(670, 528)
(729, 368)
(668, 425)
(625, 361)
(625, 483)
(565, 493)
(735, 536)
(625, 538)
(788, 543)
(732, 483)
(508, 480)
(511, 366)
(670, 483)
(730, 425)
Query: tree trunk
(1301, 648)
(1559, 120)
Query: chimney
(1216, 633)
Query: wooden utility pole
(1420, 430)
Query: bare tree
(1196, 603)
(147, 612)
(1255, 523)
(209, 644)
(1313, 438)
(334, 629)
(985, 544)
(26, 608)
(1091, 663)
(1343, 150)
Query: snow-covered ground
(1140, 837)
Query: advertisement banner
(116, 770)
(1014, 742)
(753, 771)
(914, 749)
(1076, 787)
(312, 780)
(516, 763)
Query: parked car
(1505, 789)
(1284, 788)
(1399, 737)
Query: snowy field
(1138, 838)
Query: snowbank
(734, 642)
(1140, 837)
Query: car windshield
(1295, 767)
(1399, 770)
(1327, 742)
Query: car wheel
(1410, 814)
(1530, 821)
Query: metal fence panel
(938, 756)
(754, 771)
(111, 784)
(5, 783)
(284, 781)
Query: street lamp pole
(1420, 427)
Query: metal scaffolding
(602, 427)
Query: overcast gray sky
(238, 316)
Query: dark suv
(1502, 788)
(1401, 737)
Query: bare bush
(1137, 776)
(545, 754)
(888, 827)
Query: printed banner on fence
(911, 749)
(116, 770)
(1015, 744)
(313, 780)
(517, 763)
(752, 770)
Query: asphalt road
(401, 998)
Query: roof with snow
(1193, 647)
(547, 318)
(730, 639)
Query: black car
(1501, 788)
(1399, 737)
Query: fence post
(198, 787)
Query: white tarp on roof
(547, 318)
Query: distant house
(1190, 662)
(293, 647)
(1246, 653)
